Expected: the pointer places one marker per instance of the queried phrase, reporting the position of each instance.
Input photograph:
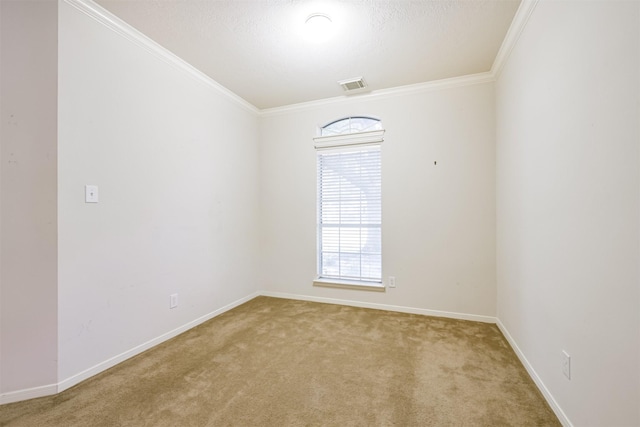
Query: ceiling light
(318, 27)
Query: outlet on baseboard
(566, 364)
(173, 300)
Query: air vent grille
(353, 84)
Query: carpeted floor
(278, 362)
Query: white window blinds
(350, 214)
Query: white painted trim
(387, 307)
(347, 284)
(95, 11)
(357, 138)
(48, 390)
(536, 378)
(52, 389)
(513, 34)
(453, 82)
(103, 366)
(29, 393)
(120, 27)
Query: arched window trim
(349, 138)
(348, 119)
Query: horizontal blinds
(350, 214)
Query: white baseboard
(51, 389)
(534, 375)
(103, 366)
(16, 396)
(463, 316)
(29, 393)
(398, 308)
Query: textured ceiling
(257, 48)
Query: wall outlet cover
(566, 364)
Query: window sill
(346, 284)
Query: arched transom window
(349, 125)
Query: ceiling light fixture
(318, 27)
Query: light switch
(91, 193)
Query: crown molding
(120, 27)
(513, 35)
(95, 11)
(434, 85)
(518, 24)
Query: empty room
(306, 212)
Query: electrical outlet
(566, 364)
(173, 300)
(392, 281)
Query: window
(351, 125)
(350, 202)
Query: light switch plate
(91, 193)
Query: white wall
(568, 205)
(176, 166)
(182, 180)
(28, 126)
(438, 220)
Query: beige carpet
(277, 362)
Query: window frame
(347, 142)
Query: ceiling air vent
(352, 84)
